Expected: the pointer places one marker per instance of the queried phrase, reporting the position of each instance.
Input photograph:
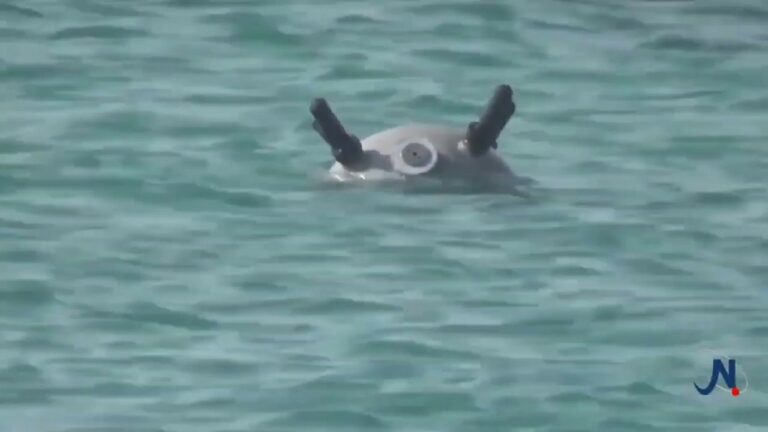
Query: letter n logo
(718, 369)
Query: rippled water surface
(169, 262)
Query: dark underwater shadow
(521, 188)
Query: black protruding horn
(346, 148)
(482, 135)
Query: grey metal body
(422, 151)
(453, 159)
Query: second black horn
(482, 135)
(346, 148)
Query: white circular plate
(414, 157)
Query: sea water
(169, 262)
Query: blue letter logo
(729, 376)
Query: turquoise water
(169, 262)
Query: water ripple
(97, 32)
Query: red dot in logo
(735, 391)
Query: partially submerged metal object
(417, 150)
